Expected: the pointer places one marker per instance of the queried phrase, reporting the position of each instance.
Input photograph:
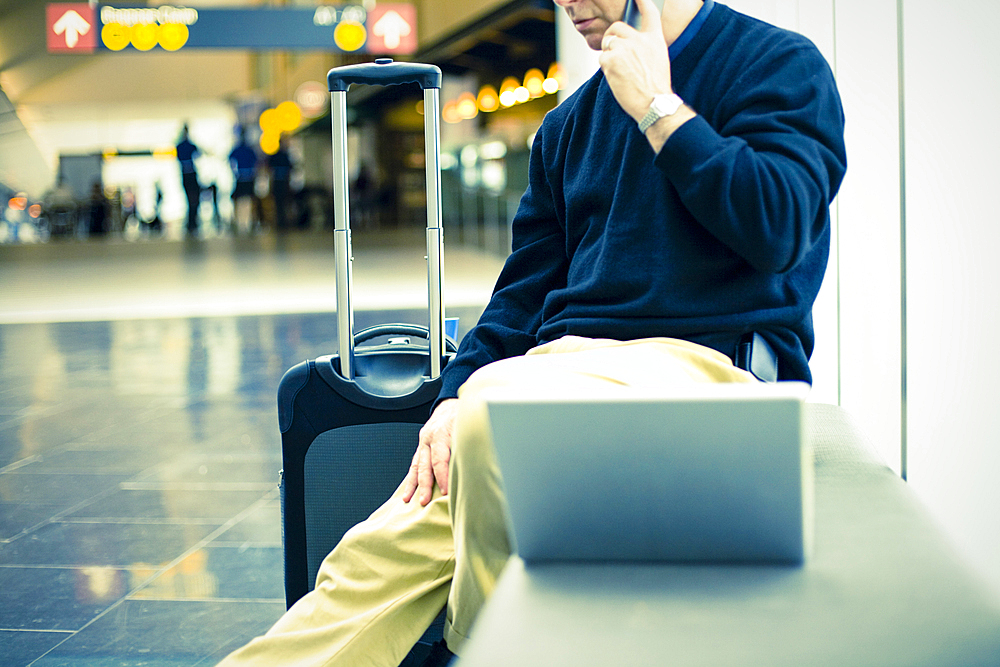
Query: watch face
(661, 106)
(666, 105)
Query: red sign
(71, 27)
(392, 28)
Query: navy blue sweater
(724, 232)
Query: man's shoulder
(741, 53)
(738, 28)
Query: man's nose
(563, 3)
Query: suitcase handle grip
(399, 330)
(383, 72)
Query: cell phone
(632, 15)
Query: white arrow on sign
(73, 25)
(390, 28)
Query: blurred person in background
(61, 208)
(186, 153)
(98, 207)
(155, 224)
(280, 166)
(243, 160)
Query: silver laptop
(715, 473)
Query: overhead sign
(393, 29)
(84, 28)
(71, 27)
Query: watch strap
(661, 107)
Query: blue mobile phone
(632, 15)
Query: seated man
(676, 201)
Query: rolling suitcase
(349, 421)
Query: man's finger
(606, 41)
(439, 463)
(650, 14)
(410, 481)
(425, 475)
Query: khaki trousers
(390, 576)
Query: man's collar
(691, 30)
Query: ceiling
(515, 37)
(508, 41)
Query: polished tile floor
(139, 449)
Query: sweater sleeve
(536, 266)
(760, 171)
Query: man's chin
(594, 40)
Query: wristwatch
(663, 105)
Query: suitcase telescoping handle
(385, 72)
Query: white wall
(952, 67)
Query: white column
(952, 65)
(870, 234)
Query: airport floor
(139, 448)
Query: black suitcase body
(344, 448)
(350, 421)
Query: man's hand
(636, 64)
(430, 461)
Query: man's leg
(569, 365)
(375, 594)
(389, 576)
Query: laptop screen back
(719, 473)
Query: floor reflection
(139, 514)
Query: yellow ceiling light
(507, 97)
(268, 121)
(350, 36)
(533, 80)
(288, 116)
(270, 142)
(522, 95)
(488, 100)
(554, 81)
(466, 106)
(420, 107)
(449, 113)
(556, 72)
